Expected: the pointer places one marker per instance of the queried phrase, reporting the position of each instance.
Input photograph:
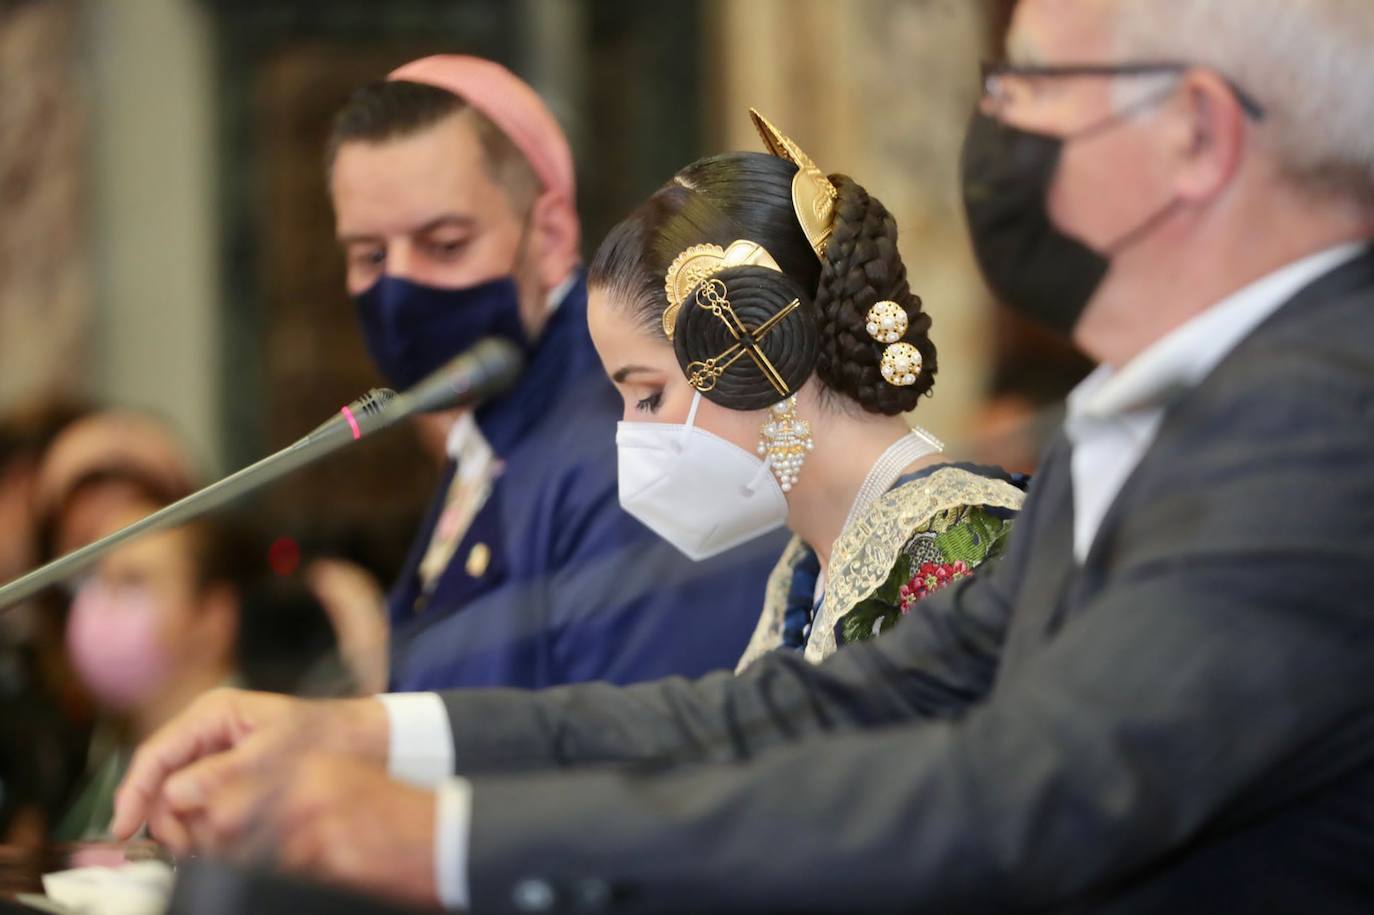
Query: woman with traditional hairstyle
(756, 318)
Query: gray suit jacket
(1183, 723)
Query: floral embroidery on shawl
(949, 548)
(863, 559)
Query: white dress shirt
(1112, 419)
(1113, 415)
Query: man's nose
(401, 260)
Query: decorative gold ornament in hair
(813, 194)
(714, 296)
(887, 322)
(699, 263)
(901, 364)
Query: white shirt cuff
(452, 826)
(420, 746)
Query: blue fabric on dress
(575, 589)
(802, 601)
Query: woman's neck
(846, 448)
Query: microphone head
(485, 370)
(371, 403)
(359, 414)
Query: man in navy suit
(454, 200)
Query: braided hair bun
(861, 268)
(752, 295)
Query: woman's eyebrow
(624, 373)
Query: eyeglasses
(996, 74)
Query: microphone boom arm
(488, 368)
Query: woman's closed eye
(651, 403)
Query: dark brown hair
(731, 196)
(395, 109)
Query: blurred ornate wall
(880, 90)
(43, 280)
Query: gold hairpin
(813, 194)
(698, 264)
(714, 297)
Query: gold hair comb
(699, 263)
(813, 194)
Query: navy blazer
(574, 589)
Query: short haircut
(395, 109)
(1307, 62)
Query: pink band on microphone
(352, 423)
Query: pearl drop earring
(785, 440)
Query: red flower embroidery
(931, 577)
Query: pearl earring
(785, 440)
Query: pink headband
(510, 104)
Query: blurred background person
(97, 466)
(153, 627)
(159, 619)
(100, 472)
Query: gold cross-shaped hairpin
(704, 375)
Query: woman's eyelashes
(651, 403)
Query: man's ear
(555, 224)
(1211, 141)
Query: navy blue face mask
(412, 329)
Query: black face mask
(1029, 263)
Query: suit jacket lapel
(1039, 599)
(406, 591)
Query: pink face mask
(112, 640)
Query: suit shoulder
(1313, 369)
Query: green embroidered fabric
(863, 559)
(951, 546)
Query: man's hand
(227, 733)
(328, 818)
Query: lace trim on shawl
(864, 555)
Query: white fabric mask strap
(765, 466)
(691, 421)
(765, 470)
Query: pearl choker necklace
(889, 466)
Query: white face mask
(694, 489)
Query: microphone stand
(486, 369)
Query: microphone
(370, 404)
(487, 369)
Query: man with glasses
(1159, 700)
